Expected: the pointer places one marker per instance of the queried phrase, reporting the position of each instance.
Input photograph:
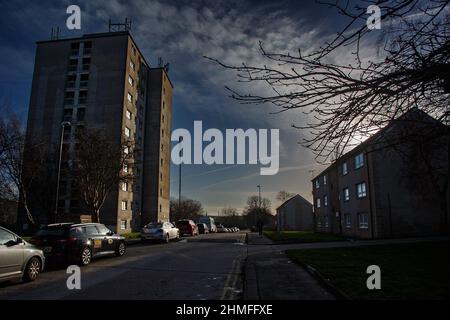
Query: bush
(131, 235)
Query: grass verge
(408, 271)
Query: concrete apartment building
(296, 214)
(103, 81)
(373, 191)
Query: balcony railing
(85, 67)
(87, 51)
(73, 68)
(83, 84)
(82, 100)
(70, 84)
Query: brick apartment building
(103, 81)
(382, 188)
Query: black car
(79, 243)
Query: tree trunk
(96, 216)
(444, 212)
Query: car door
(108, 242)
(11, 255)
(172, 230)
(94, 238)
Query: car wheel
(86, 256)
(32, 269)
(120, 251)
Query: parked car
(187, 227)
(221, 228)
(209, 222)
(18, 258)
(202, 228)
(163, 231)
(79, 243)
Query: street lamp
(259, 204)
(63, 125)
(179, 180)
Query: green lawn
(300, 236)
(408, 271)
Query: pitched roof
(294, 197)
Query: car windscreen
(52, 232)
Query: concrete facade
(296, 214)
(101, 81)
(373, 191)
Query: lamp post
(63, 125)
(179, 180)
(259, 204)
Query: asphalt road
(204, 267)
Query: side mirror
(110, 233)
(19, 240)
(10, 243)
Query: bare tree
(228, 212)
(190, 209)
(101, 165)
(283, 195)
(348, 102)
(20, 163)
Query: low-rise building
(395, 184)
(295, 213)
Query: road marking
(229, 289)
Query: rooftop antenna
(55, 33)
(118, 27)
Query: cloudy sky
(182, 32)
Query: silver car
(18, 258)
(164, 231)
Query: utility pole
(63, 126)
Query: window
(125, 167)
(344, 168)
(133, 49)
(91, 230)
(160, 208)
(81, 114)
(103, 230)
(125, 186)
(319, 222)
(123, 224)
(326, 221)
(363, 220)
(324, 180)
(359, 161)
(317, 183)
(5, 237)
(160, 192)
(361, 190)
(130, 97)
(348, 220)
(124, 205)
(318, 203)
(127, 132)
(132, 65)
(325, 201)
(346, 194)
(131, 81)
(129, 114)
(126, 150)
